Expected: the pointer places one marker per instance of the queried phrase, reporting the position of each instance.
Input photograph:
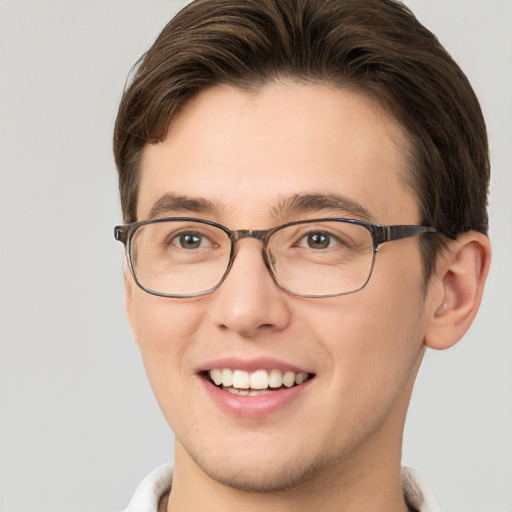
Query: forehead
(247, 152)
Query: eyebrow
(296, 204)
(181, 204)
(305, 203)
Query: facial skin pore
(242, 158)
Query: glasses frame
(379, 233)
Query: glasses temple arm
(390, 233)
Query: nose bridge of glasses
(257, 234)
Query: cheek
(161, 324)
(394, 304)
(372, 339)
(164, 329)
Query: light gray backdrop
(79, 426)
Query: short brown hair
(377, 47)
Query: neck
(374, 488)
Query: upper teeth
(260, 379)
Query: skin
(337, 446)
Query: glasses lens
(177, 257)
(321, 258)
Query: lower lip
(254, 406)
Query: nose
(249, 302)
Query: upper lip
(251, 365)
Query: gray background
(79, 426)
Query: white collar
(418, 492)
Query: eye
(318, 240)
(190, 240)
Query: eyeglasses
(188, 257)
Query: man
(304, 189)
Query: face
(247, 155)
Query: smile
(259, 382)
(255, 388)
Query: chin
(269, 473)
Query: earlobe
(461, 274)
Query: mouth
(256, 383)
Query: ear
(457, 289)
